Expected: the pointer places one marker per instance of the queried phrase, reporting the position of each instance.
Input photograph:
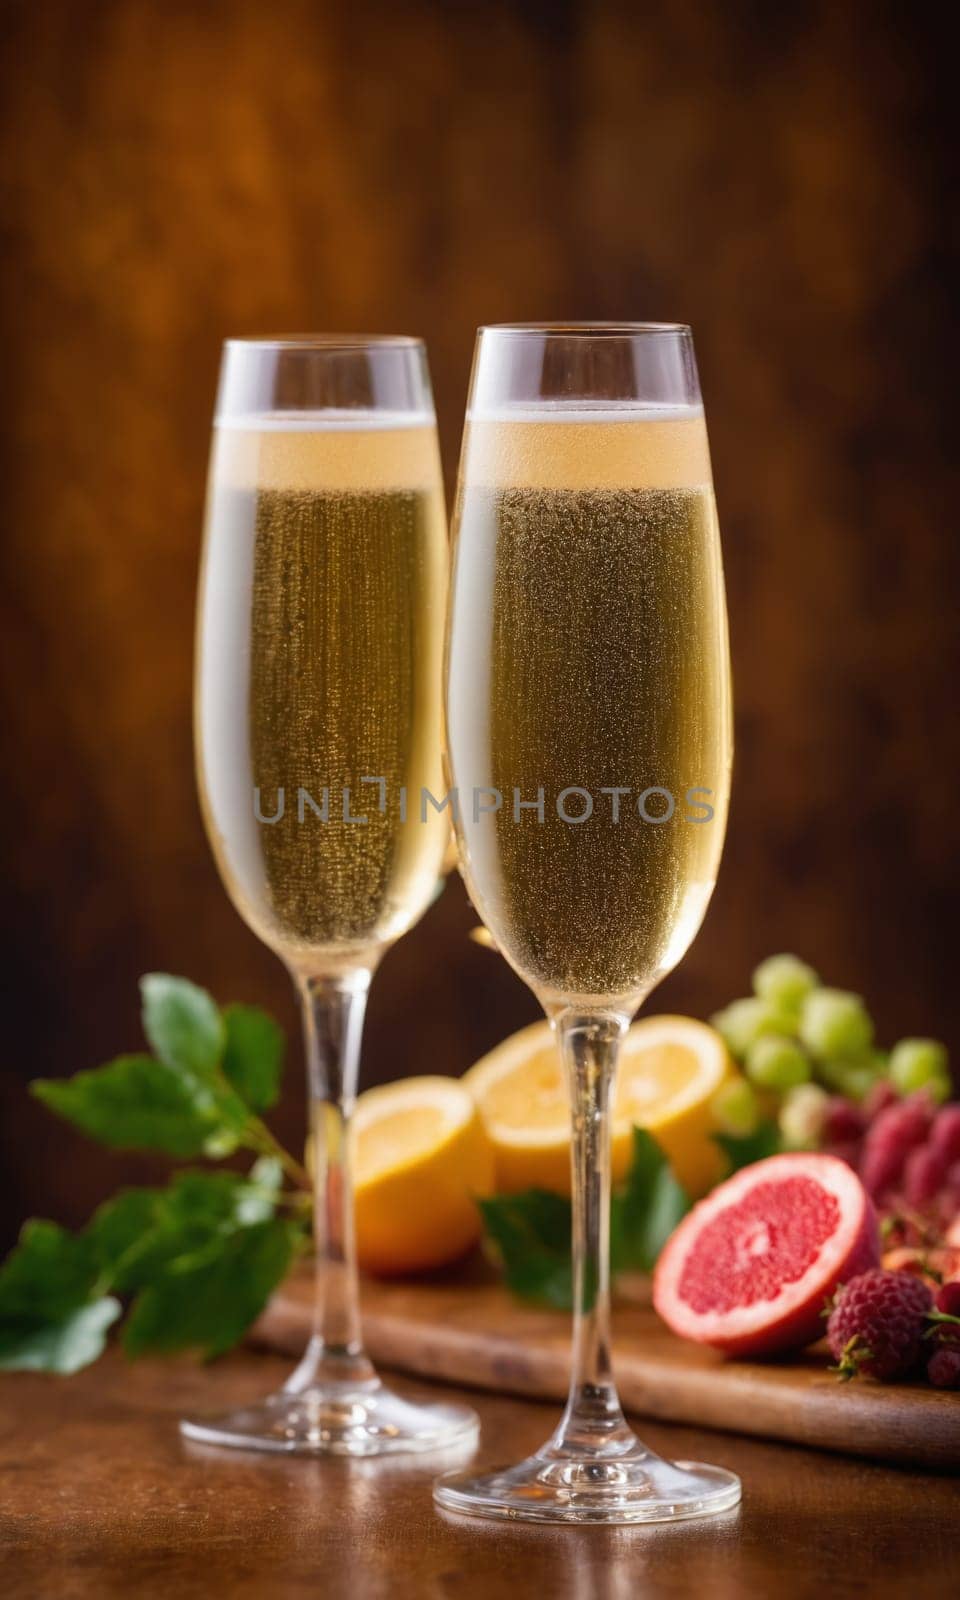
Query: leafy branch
(191, 1265)
(194, 1262)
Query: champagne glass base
(337, 1419)
(633, 1485)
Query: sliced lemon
(670, 1069)
(421, 1156)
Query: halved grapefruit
(749, 1270)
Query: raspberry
(945, 1134)
(952, 1180)
(943, 1368)
(878, 1098)
(847, 1150)
(923, 1175)
(948, 1299)
(878, 1322)
(842, 1121)
(889, 1141)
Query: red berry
(878, 1322)
(945, 1134)
(842, 1121)
(923, 1175)
(847, 1150)
(889, 1141)
(952, 1181)
(943, 1368)
(877, 1099)
(948, 1299)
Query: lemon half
(670, 1069)
(421, 1157)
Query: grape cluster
(809, 1058)
(794, 1034)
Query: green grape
(743, 1021)
(939, 1088)
(776, 1062)
(852, 1075)
(735, 1108)
(854, 1079)
(802, 1116)
(784, 980)
(738, 1024)
(918, 1064)
(835, 1023)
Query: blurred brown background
(175, 172)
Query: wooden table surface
(99, 1497)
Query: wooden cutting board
(470, 1330)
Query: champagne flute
(589, 746)
(318, 709)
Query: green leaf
(62, 1347)
(140, 1233)
(48, 1322)
(645, 1212)
(49, 1274)
(253, 1055)
(122, 1232)
(531, 1231)
(201, 1255)
(221, 1200)
(741, 1150)
(209, 1303)
(183, 1025)
(135, 1103)
(532, 1234)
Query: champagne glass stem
(593, 1421)
(333, 1011)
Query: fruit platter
(784, 1225)
(785, 1219)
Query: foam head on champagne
(327, 451)
(587, 447)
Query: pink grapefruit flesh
(748, 1271)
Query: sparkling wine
(589, 690)
(320, 636)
